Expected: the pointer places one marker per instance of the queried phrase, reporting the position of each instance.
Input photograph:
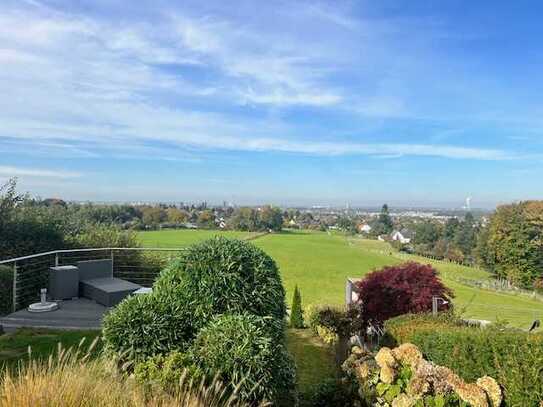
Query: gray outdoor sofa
(96, 282)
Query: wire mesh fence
(31, 273)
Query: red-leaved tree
(397, 290)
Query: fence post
(56, 259)
(112, 263)
(14, 286)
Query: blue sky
(412, 103)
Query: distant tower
(468, 203)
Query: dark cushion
(107, 291)
(90, 269)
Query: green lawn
(314, 360)
(14, 346)
(184, 237)
(319, 263)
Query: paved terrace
(75, 314)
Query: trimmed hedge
(401, 329)
(244, 350)
(513, 358)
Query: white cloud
(87, 84)
(8, 171)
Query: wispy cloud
(84, 83)
(8, 171)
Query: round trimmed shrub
(223, 275)
(146, 325)
(214, 277)
(243, 351)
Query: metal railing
(31, 273)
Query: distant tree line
(509, 244)
(30, 225)
(455, 241)
(261, 219)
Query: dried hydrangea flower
(468, 392)
(385, 357)
(437, 376)
(408, 354)
(403, 400)
(363, 370)
(387, 374)
(492, 389)
(417, 386)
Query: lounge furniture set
(92, 279)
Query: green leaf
(382, 388)
(392, 392)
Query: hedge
(513, 358)
(401, 329)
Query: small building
(364, 228)
(403, 236)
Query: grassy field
(184, 237)
(319, 263)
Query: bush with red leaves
(397, 290)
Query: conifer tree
(296, 313)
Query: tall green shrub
(296, 313)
